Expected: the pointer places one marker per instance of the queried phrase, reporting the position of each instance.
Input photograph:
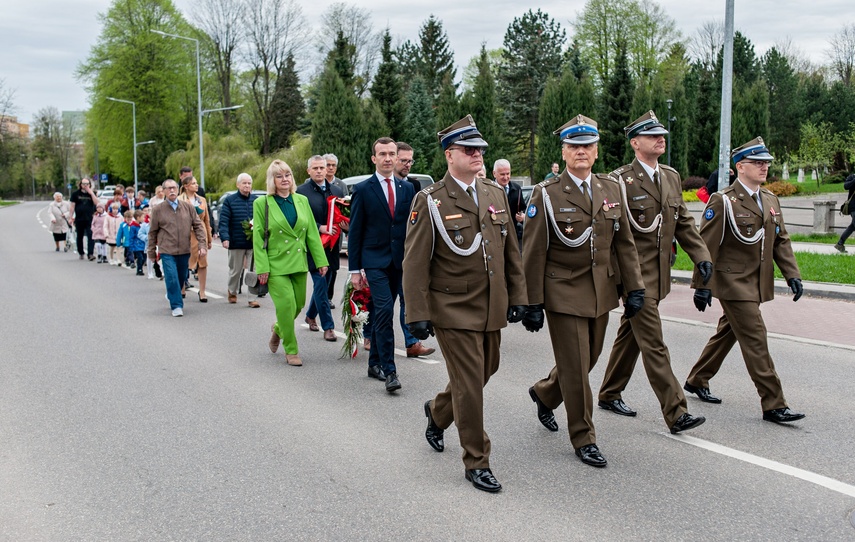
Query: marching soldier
(653, 197)
(745, 233)
(463, 280)
(573, 224)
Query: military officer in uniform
(573, 224)
(745, 233)
(463, 280)
(653, 197)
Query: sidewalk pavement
(823, 320)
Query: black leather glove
(532, 320)
(796, 286)
(705, 269)
(634, 302)
(515, 313)
(702, 299)
(421, 330)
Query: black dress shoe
(374, 371)
(618, 407)
(686, 421)
(484, 480)
(590, 455)
(782, 415)
(702, 393)
(544, 414)
(392, 383)
(433, 433)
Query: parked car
(104, 196)
(214, 211)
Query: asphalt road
(119, 422)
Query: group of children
(129, 231)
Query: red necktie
(391, 189)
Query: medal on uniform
(493, 211)
(641, 218)
(605, 205)
(617, 225)
(629, 180)
(750, 229)
(458, 239)
(568, 230)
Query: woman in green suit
(293, 235)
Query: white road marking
(818, 479)
(402, 353)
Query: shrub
(690, 195)
(781, 188)
(835, 177)
(693, 183)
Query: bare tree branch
(842, 54)
(705, 45)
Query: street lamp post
(198, 101)
(134, 113)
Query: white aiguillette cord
(657, 221)
(731, 219)
(438, 224)
(572, 243)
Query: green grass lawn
(836, 268)
(4, 203)
(826, 238)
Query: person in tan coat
(653, 195)
(745, 233)
(574, 223)
(463, 280)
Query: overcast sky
(43, 41)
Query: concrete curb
(811, 289)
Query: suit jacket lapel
(647, 183)
(574, 194)
(378, 187)
(276, 218)
(461, 198)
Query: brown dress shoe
(419, 349)
(366, 343)
(329, 335)
(313, 324)
(232, 298)
(274, 340)
(254, 304)
(294, 359)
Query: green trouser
(288, 293)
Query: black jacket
(320, 207)
(236, 209)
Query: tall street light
(670, 118)
(198, 101)
(33, 173)
(134, 112)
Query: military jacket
(743, 261)
(645, 201)
(470, 292)
(579, 281)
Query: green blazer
(287, 247)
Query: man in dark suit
(379, 209)
(317, 190)
(502, 175)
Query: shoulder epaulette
(669, 168)
(431, 188)
(617, 173)
(606, 176)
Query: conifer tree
(337, 126)
(386, 90)
(435, 59)
(287, 106)
(419, 125)
(617, 102)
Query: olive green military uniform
(743, 277)
(466, 297)
(576, 284)
(653, 236)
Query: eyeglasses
(283, 175)
(759, 163)
(471, 151)
(407, 162)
